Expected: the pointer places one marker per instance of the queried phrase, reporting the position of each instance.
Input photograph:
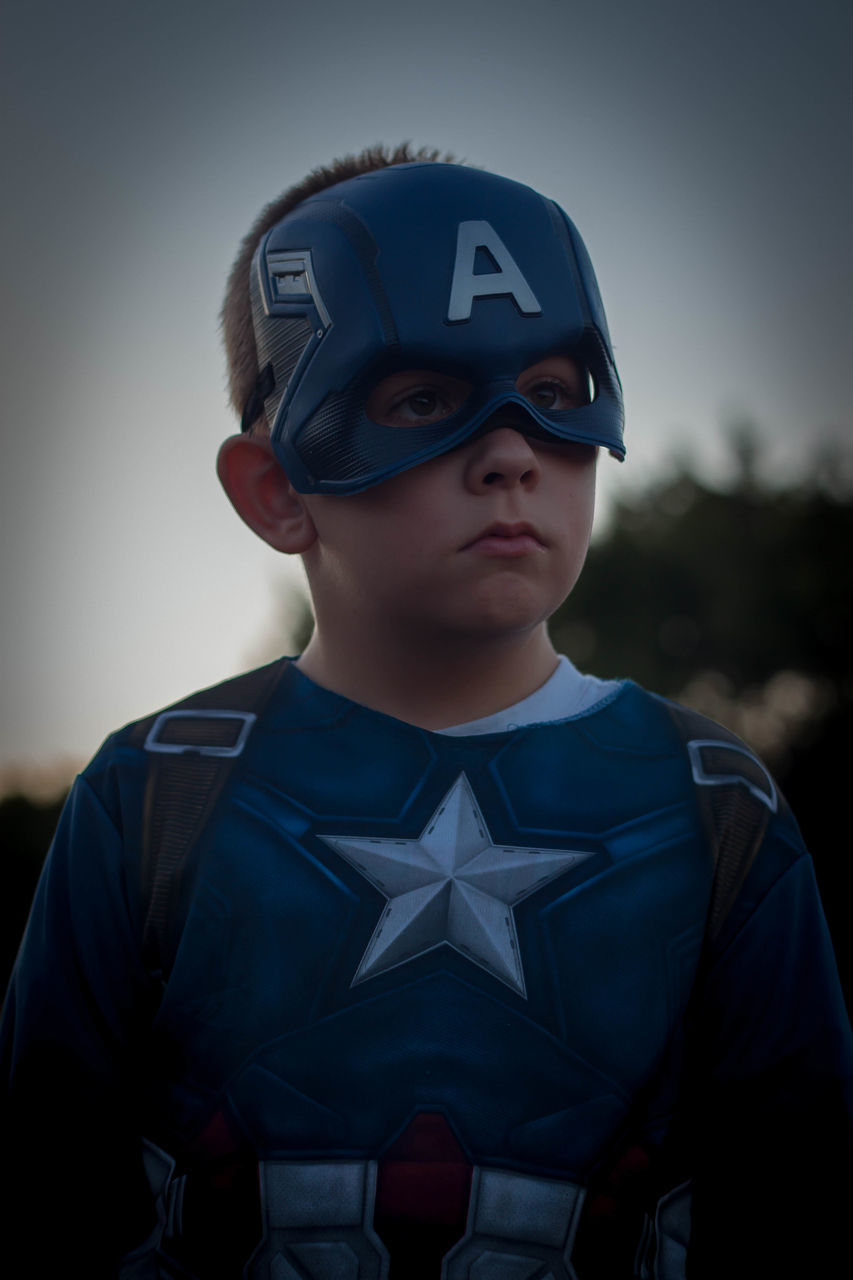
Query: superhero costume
(478, 997)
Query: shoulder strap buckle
(216, 736)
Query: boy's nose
(502, 457)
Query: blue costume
(472, 997)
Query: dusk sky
(703, 150)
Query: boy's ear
(262, 495)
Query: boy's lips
(507, 540)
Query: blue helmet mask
(425, 266)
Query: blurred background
(702, 150)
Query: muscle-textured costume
(479, 998)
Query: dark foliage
(744, 582)
(26, 829)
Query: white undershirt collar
(565, 693)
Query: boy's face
(485, 540)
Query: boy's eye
(415, 399)
(422, 404)
(556, 384)
(551, 395)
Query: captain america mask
(425, 266)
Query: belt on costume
(317, 1222)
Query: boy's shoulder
(654, 748)
(716, 755)
(216, 722)
(212, 721)
(638, 721)
(634, 768)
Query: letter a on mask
(507, 281)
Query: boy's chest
(506, 938)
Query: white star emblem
(451, 885)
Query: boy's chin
(514, 611)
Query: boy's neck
(430, 688)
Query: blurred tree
(745, 582)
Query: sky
(701, 148)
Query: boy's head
(357, 276)
(422, 364)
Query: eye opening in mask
(423, 397)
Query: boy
(425, 954)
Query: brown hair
(236, 314)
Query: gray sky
(702, 149)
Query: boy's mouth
(507, 540)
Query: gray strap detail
(519, 1227)
(318, 1223)
(736, 796)
(740, 822)
(715, 763)
(192, 738)
(192, 749)
(662, 1254)
(143, 1263)
(672, 1232)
